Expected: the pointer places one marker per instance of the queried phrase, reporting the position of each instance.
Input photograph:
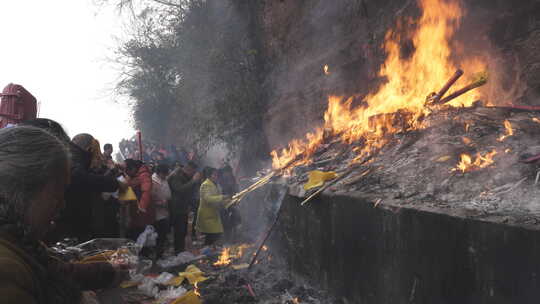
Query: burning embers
(229, 253)
(467, 164)
(508, 129)
(400, 104)
(224, 258)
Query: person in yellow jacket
(210, 204)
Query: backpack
(16, 105)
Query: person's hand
(197, 176)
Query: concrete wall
(380, 255)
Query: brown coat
(20, 282)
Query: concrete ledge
(388, 255)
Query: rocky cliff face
(300, 37)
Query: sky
(58, 51)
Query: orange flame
(400, 103)
(196, 290)
(466, 164)
(224, 258)
(325, 69)
(241, 249)
(509, 131)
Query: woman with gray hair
(34, 172)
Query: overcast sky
(57, 50)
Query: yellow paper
(176, 281)
(189, 298)
(193, 274)
(128, 284)
(317, 178)
(240, 266)
(128, 195)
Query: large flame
(400, 103)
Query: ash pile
(268, 281)
(474, 162)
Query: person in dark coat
(229, 217)
(81, 192)
(183, 181)
(34, 171)
(85, 184)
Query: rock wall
(300, 37)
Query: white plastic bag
(148, 238)
(148, 287)
(163, 278)
(171, 293)
(182, 258)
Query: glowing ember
(507, 150)
(224, 258)
(466, 140)
(325, 69)
(466, 164)
(467, 126)
(264, 248)
(241, 249)
(400, 103)
(536, 120)
(196, 291)
(508, 129)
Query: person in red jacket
(139, 178)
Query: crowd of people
(54, 187)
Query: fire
(241, 249)
(399, 104)
(224, 258)
(508, 129)
(466, 140)
(467, 126)
(196, 290)
(466, 164)
(536, 120)
(325, 69)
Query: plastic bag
(182, 258)
(148, 287)
(148, 238)
(163, 278)
(171, 293)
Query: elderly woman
(211, 202)
(34, 172)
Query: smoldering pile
(467, 161)
(268, 281)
